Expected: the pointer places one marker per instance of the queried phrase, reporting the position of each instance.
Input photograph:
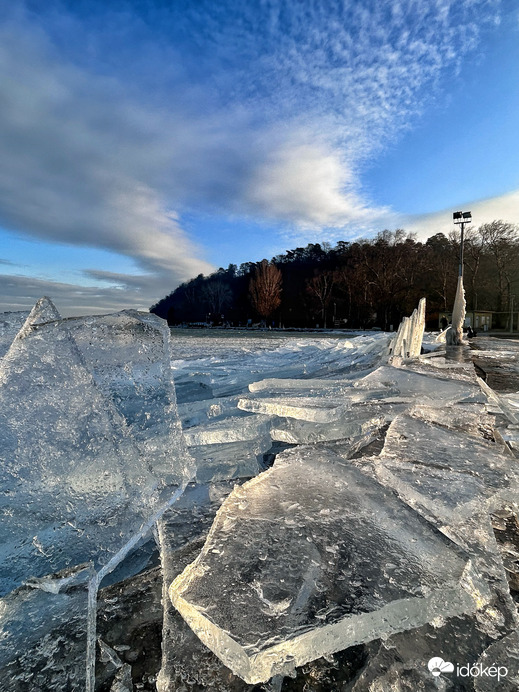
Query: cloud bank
(266, 111)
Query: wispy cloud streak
(266, 110)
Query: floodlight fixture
(462, 217)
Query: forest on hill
(359, 284)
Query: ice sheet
(227, 363)
(70, 471)
(319, 410)
(129, 356)
(342, 561)
(358, 421)
(421, 387)
(445, 469)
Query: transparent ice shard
(320, 410)
(89, 461)
(43, 633)
(420, 386)
(342, 561)
(70, 472)
(441, 468)
(243, 459)
(359, 421)
(129, 356)
(231, 429)
(407, 343)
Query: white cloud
(264, 110)
(504, 207)
(308, 186)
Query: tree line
(359, 284)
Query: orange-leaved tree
(265, 288)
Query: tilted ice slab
(194, 413)
(358, 421)
(229, 447)
(77, 485)
(129, 356)
(69, 469)
(420, 386)
(312, 557)
(320, 410)
(232, 429)
(271, 384)
(442, 466)
(219, 462)
(83, 478)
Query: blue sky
(143, 143)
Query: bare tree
(265, 288)
(216, 294)
(501, 240)
(320, 288)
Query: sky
(145, 142)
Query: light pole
(461, 218)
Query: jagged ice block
(312, 557)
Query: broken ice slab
(443, 470)
(320, 410)
(181, 532)
(75, 486)
(196, 412)
(423, 387)
(312, 557)
(43, 633)
(218, 462)
(232, 429)
(274, 384)
(358, 422)
(129, 356)
(341, 391)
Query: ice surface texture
(454, 334)
(129, 356)
(78, 477)
(92, 453)
(312, 557)
(10, 325)
(43, 630)
(439, 465)
(407, 342)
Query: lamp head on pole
(462, 217)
